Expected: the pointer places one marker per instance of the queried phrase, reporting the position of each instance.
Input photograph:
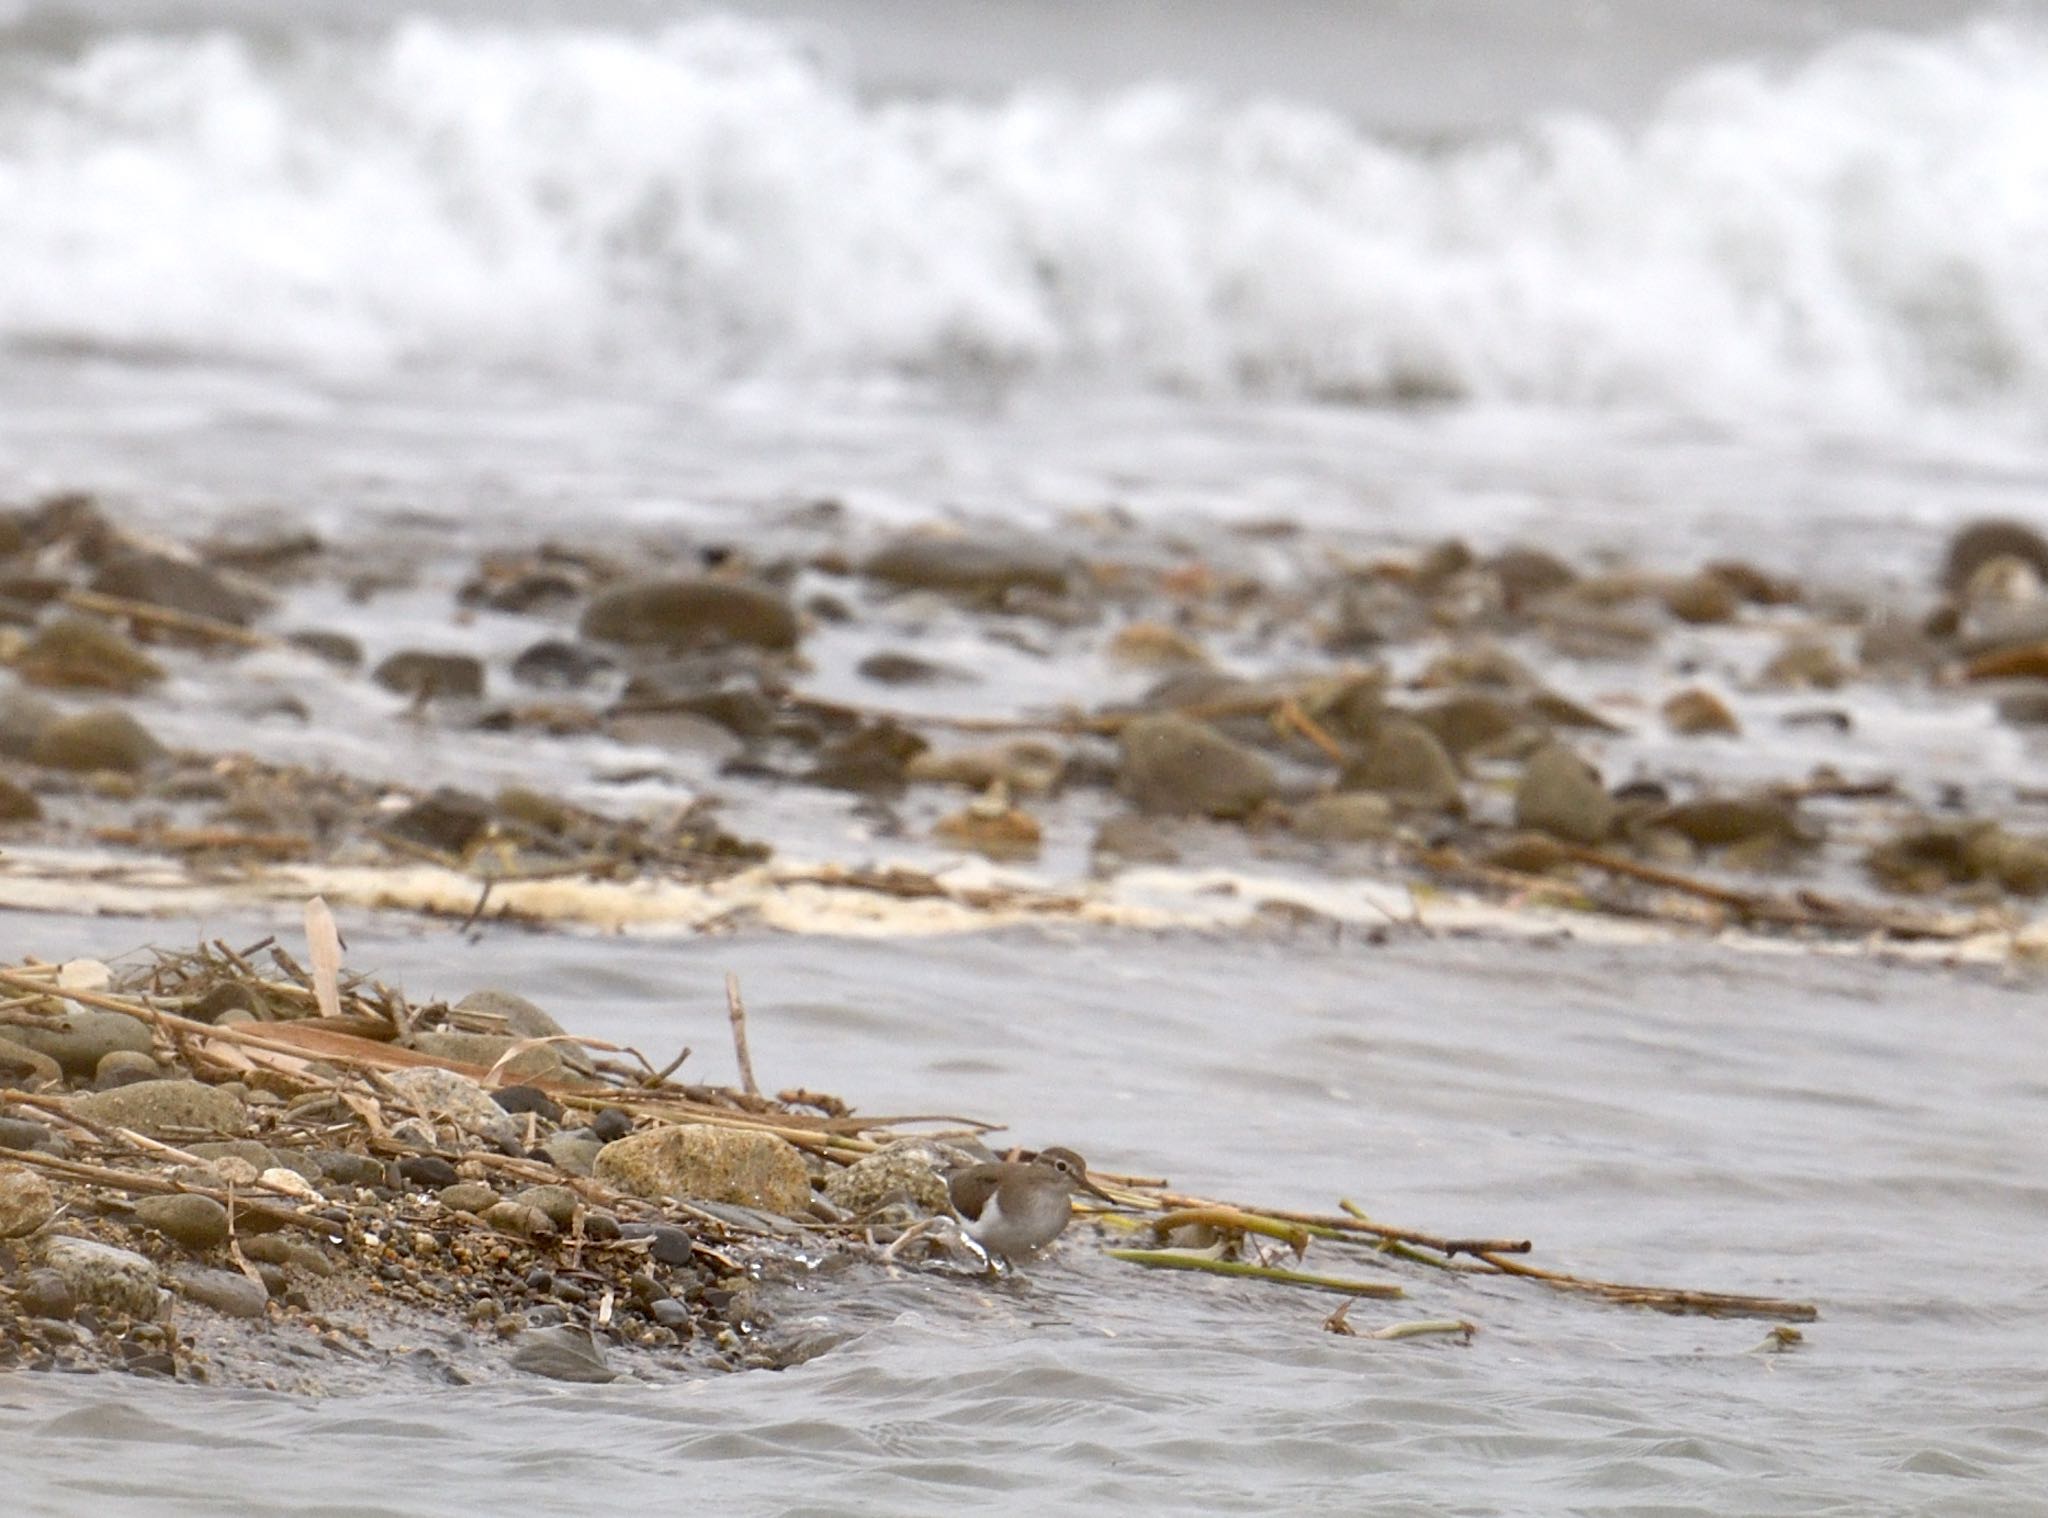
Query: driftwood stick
(736, 1010)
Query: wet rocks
(114, 1280)
(26, 1201)
(1346, 817)
(427, 1171)
(563, 1352)
(1406, 764)
(902, 1172)
(167, 1107)
(982, 568)
(1696, 711)
(697, 1161)
(196, 1222)
(424, 675)
(82, 1036)
(227, 1292)
(683, 614)
(159, 579)
(97, 740)
(1178, 765)
(557, 664)
(77, 653)
(446, 1096)
(1561, 794)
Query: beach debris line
(214, 1141)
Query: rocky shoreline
(201, 1176)
(1629, 743)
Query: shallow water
(1863, 1136)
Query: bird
(1012, 1209)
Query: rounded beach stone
(116, 1280)
(26, 1201)
(698, 1161)
(197, 1222)
(468, 1196)
(1406, 764)
(1347, 817)
(559, 1203)
(77, 653)
(227, 1292)
(18, 803)
(1178, 765)
(688, 613)
(575, 1151)
(161, 580)
(124, 1067)
(515, 1217)
(457, 1099)
(418, 672)
(1561, 794)
(98, 740)
(168, 1106)
(83, 1036)
(902, 1171)
(1697, 711)
(46, 1294)
(987, 567)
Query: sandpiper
(1012, 1209)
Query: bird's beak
(1094, 1190)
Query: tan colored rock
(1154, 645)
(447, 1097)
(1346, 817)
(78, 653)
(1178, 765)
(1696, 711)
(98, 740)
(697, 1161)
(1408, 766)
(1807, 662)
(1702, 598)
(26, 1201)
(166, 1107)
(683, 614)
(115, 1280)
(900, 1172)
(1561, 794)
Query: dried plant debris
(219, 1164)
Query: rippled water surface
(1866, 1137)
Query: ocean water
(1756, 278)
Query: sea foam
(1859, 235)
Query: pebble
(683, 614)
(562, 1353)
(82, 1037)
(558, 1203)
(22, 1133)
(46, 1294)
(115, 1280)
(78, 653)
(27, 1201)
(124, 1067)
(699, 1161)
(558, 664)
(1702, 598)
(1177, 765)
(1346, 817)
(197, 1222)
(28, 1068)
(98, 740)
(903, 1170)
(424, 675)
(1406, 764)
(671, 1245)
(159, 579)
(18, 803)
(575, 1151)
(227, 1292)
(514, 1217)
(349, 1168)
(1561, 794)
(984, 568)
(426, 1172)
(1697, 711)
(447, 820)
(167, 1107)
(457, 1099)
(338, 649)
(611, 1124)
(468, 1196)
(509, 1056)
(669, 1313)
(519, 1100)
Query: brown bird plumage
(1014, 1208)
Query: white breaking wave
(1856, 237)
